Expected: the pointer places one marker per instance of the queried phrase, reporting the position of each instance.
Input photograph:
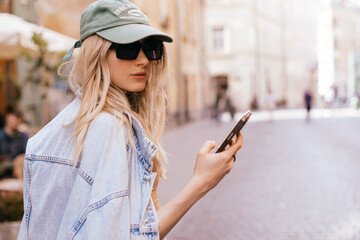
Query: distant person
(12, 141)
(308, 100)
(92, 172)
(254, 103)
(271, 103)
(229, 107)
(220, 101)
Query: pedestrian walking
(308, 99)
(92, 172)
(271, 103)
(221, 97)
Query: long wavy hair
(91, 73)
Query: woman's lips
(139, 75)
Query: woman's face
(129, 75)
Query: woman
(90, 172)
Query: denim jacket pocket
(149, 225)
(103, 213)
(148, 228)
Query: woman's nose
(141, 58)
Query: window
(218, 39)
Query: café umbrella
(16, 35)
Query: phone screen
(235, 130)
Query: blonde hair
(92, 73)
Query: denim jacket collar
(148, 150)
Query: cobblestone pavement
(293, 179)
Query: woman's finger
(207, 147)
(236, 145)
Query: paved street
(293, 179)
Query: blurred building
(325, 53)
(339, 53)
(61, 16)
(346, 30)
(183, 20)
(259, 51)
(263, 48)
(7, 71)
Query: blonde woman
(92, 172)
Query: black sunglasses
(153, 49)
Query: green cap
(119, 21)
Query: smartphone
(235, 130)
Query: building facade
(182, 19)
(265, 49)
(261, 52)
(346, 32)
(8, 91)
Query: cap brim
(131, 33)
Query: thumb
(207, 146)
(237, 144)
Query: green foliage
(11, 207)
(40, 75)
(39, 41)
(41, 62)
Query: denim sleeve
(27, 205)
(105, 157)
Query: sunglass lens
(153, 49)
(127, 51)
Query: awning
(16, 34)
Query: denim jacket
(106, 196)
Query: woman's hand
(210, 168)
